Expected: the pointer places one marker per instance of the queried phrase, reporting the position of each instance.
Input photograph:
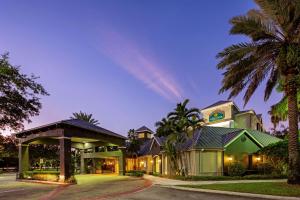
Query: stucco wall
(226, 108)
(247, 120)
(239, 150)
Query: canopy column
(65, 158)
(23, 159)
(82, 165)
(122, 161)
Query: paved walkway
(171, 182)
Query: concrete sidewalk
(171, 182)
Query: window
(89, 150)
(100, 149)
(257, 127)
(112, 148)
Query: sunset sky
(128, 62)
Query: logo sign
(217, 115)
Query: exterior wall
(144, 135)
(226, 108)
(131, 164)
(210, 163)
(200, 163)
(145, 163)
(248, 121)
(239, 151)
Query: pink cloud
(129, 56)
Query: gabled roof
(264, 138)
(215, 137)
(77, 123)
(209, 137)
(145, 148)
(217, 104)
(144, 129)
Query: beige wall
(200, 163)
(226, 108)
(248, 121)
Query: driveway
(87, 187)
(10, 189)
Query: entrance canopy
(78, 130)
(67, 134)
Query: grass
(269, 188)
(225, 178)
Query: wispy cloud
(126, 54)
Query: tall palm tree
(185, 117)
(164, 127)
(85, 117)
(176, 127)
(272, 54)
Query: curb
(44, 182)
(241, 194)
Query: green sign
(217, 115)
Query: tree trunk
(293, 145)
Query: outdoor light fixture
(230, 158)
(151, 161)
(258, 158)
(159, 160)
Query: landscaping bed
(268, 188)
(42, 175)
(135, 173)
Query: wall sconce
(151, 161)
(142, 163)
(258, 159)
(159, 160)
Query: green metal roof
(209, 137)
(263, 138)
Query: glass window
(112, 148)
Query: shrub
(42, 175)
(135, 173)
(263, 177)
(236, 169)
(265, 168)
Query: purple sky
(125, 61)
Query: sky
(128, 62)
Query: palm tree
(85, 117)
(133, 145)
(176, 127)
(185, 117)
(273, 53)
(164, 127)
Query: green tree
(164, 127)
(273, 53)
(19, 95)
(175, 128)
(133, 145)
(85, 117)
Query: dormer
(144, 133)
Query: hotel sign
(216, 115)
